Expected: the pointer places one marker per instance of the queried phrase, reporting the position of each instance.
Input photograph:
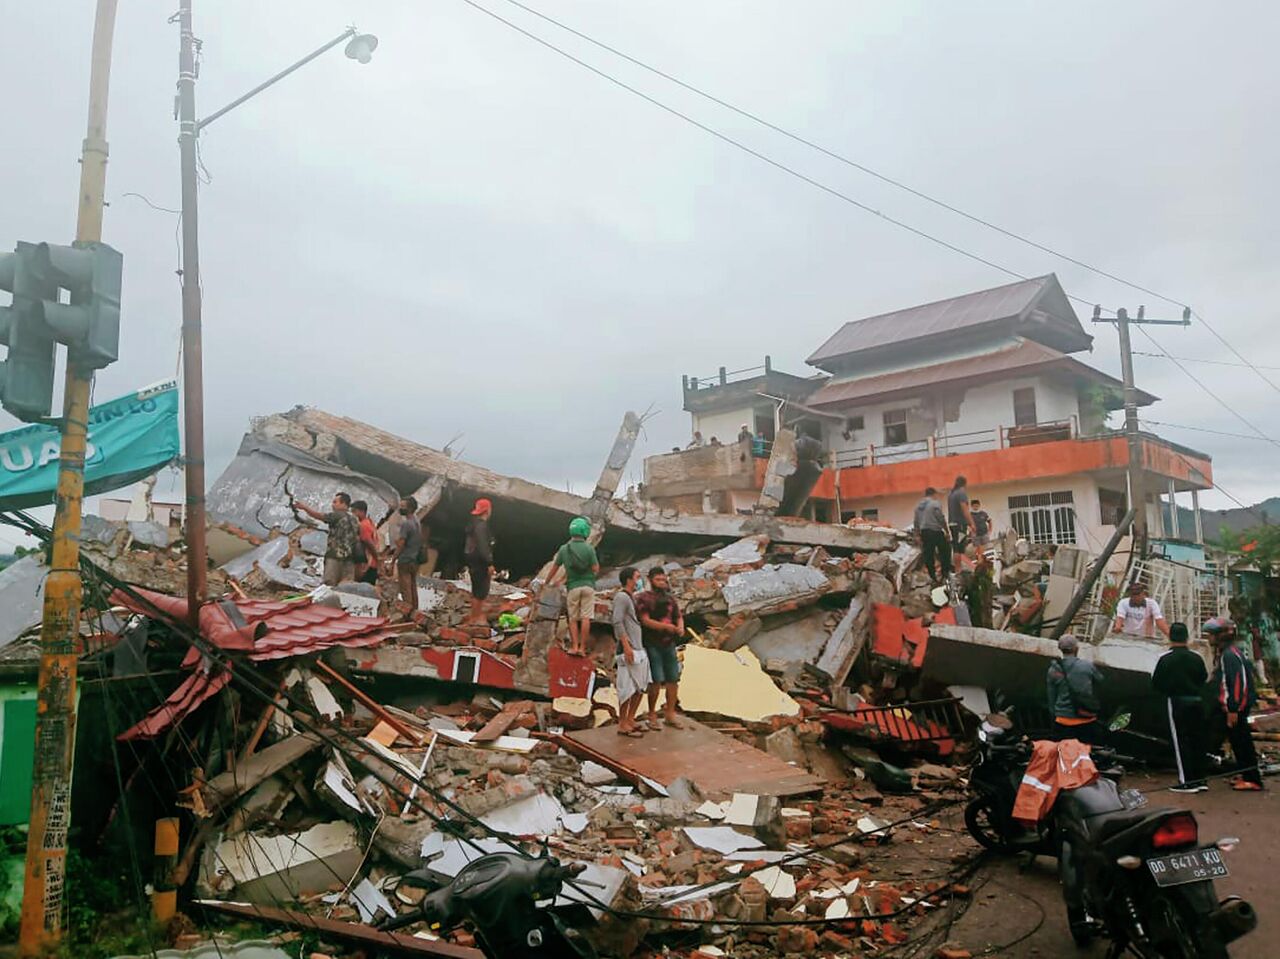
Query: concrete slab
(717, 764)
(731, 684)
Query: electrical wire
(920, 194)
(1193, 359)
(1196, 380)
(839, 194)
(1202, 429)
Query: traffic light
(89, 325)
(26, 376)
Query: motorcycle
(507, 898)
(1136, 875)
(1001, 760)
(1141, 878)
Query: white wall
(983, 409)
(724, 425)
(898, 510)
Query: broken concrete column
(782, 463)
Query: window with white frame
(1044, 517)
(895, 427)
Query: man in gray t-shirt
(632, 662)
(406, 547)
(958, 513)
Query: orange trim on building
(1012, 464)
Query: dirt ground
(1010, 902)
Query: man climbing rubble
(1139, 615)
(477, 550)
(931, 527)
(662, 624)
(581, 567)
(344, 537)
(367, 553)
(633, 676)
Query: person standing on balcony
(697, 442)
(959, 514)
(1139, 615)
(931, 527)
(745, 435)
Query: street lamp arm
(345, 35)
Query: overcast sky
(472, 234)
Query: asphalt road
(1016, 903)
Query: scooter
(507, 898)
(1141, 878)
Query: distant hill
(1235, 519)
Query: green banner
(129, 438)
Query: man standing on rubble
(344, 538)
(581, 567)
(662, 624)
(407, 552)
(633, 677)
(959, 514)
(931, 526)
(367, 553)
(1073, 699)
(478, 553)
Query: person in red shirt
(661, 627)
(367, 557)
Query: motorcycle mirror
(1120, 722)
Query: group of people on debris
(1203, 709)
(352, 552)
(758, 441)
(949, 522)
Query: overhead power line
(818, 184)
(841, 158)
(1202, 429)
(1194, 359)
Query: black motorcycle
(506, 899)
(1001, 760)
(1141, 878)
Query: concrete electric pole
(1136, 463)
(42, 905)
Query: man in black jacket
(1234, 683)
(1073, 696)
(1179, 677)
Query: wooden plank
(500, 723)
(224, 788)
(718, 765)
(386, 942)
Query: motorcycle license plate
(1194, 866)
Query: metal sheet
(717, 764)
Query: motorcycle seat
(1106, 825)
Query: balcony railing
(953, 444)
(723, 376)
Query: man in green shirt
(581, 567)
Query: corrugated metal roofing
(1027, 355)
(264, 629)
(930, 319)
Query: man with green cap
(581, 567)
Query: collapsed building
(322, 741)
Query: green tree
(1259, 544)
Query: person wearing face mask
(406, 550)
(1138, 615)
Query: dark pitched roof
(1025, 357)
(1028, 306)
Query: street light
(360, 47)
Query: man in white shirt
(1138, 615)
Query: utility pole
(1136, 463)
(42, 904)
(192, 338)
